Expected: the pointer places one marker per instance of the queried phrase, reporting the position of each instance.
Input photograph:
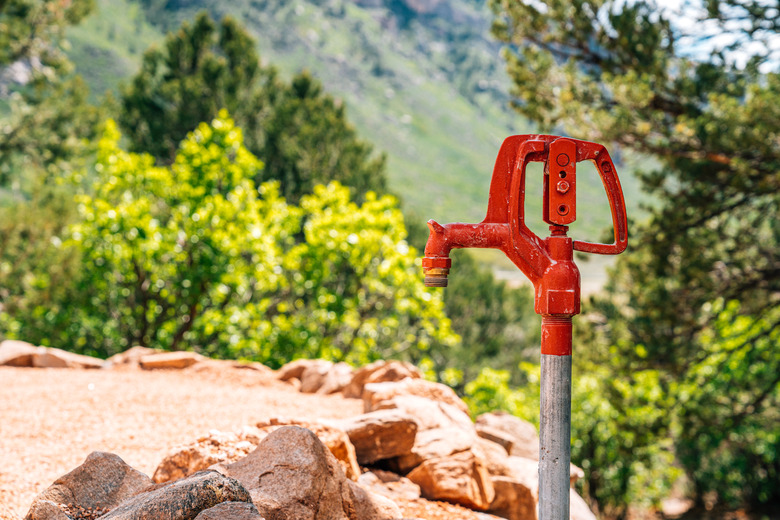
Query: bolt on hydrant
(549, 264)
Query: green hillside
(424, 81)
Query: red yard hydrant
(549, 264)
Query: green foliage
(617, 72)
(192, 256)
(32, 30)
(46, 122)
(728, 434)
(301, 132)
(36, 274)
(491, 391)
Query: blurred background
(250, 180)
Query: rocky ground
(380, 441)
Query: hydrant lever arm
(504, 225)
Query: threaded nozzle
(436, 270)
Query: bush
(192, 256)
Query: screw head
(562, 159)
(562, 187)
(563, 210)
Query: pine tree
(300, 132)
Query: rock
(336, 379)
(378, 372)
(578, 508)
(434, 444)
(217, 447)
(495, 457)
(131, 356)
(102, 481)
(15, 353)
(528, 470)
(47, 510)
(503, 439)
(176, 360)
(518, 436)
(460, 478)
(181, 500)
(575, 473)
(375, 393)
(231, 511)
(47, 357)
(372, 506)
(295, 369)
(514, 500)
(291, 475)
(331, 435)
(380, 435)
(428, 414)
(314, 377)
(389, 484)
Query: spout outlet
(436, 270)
(436, 262)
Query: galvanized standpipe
(549, 264)
(554, 425)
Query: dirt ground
(51, 419)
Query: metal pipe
(555, 437)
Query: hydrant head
(504, 226)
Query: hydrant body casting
(549, 264)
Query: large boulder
(230, 511)
(380, 372)
(335, 379)
(372, 506)
(15, 353)
(514, 500)
(376, 393)
(131, 356)
(427, 413)
(495, 457)
(296, 369)
(47, 357)
(434, 444)
(103, 481)
(216, 447)
(578, 508)
(331, 435)
(169, 360)
(380, 435)
(460, 478)
(517, 436)
(389, 484)
(291, 475)
(181, 500)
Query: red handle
(587, 151)
(560, 155)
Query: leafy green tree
(193, 256)
(300, 132)
(623, 72)
(45, 119)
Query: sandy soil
(51, 419)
